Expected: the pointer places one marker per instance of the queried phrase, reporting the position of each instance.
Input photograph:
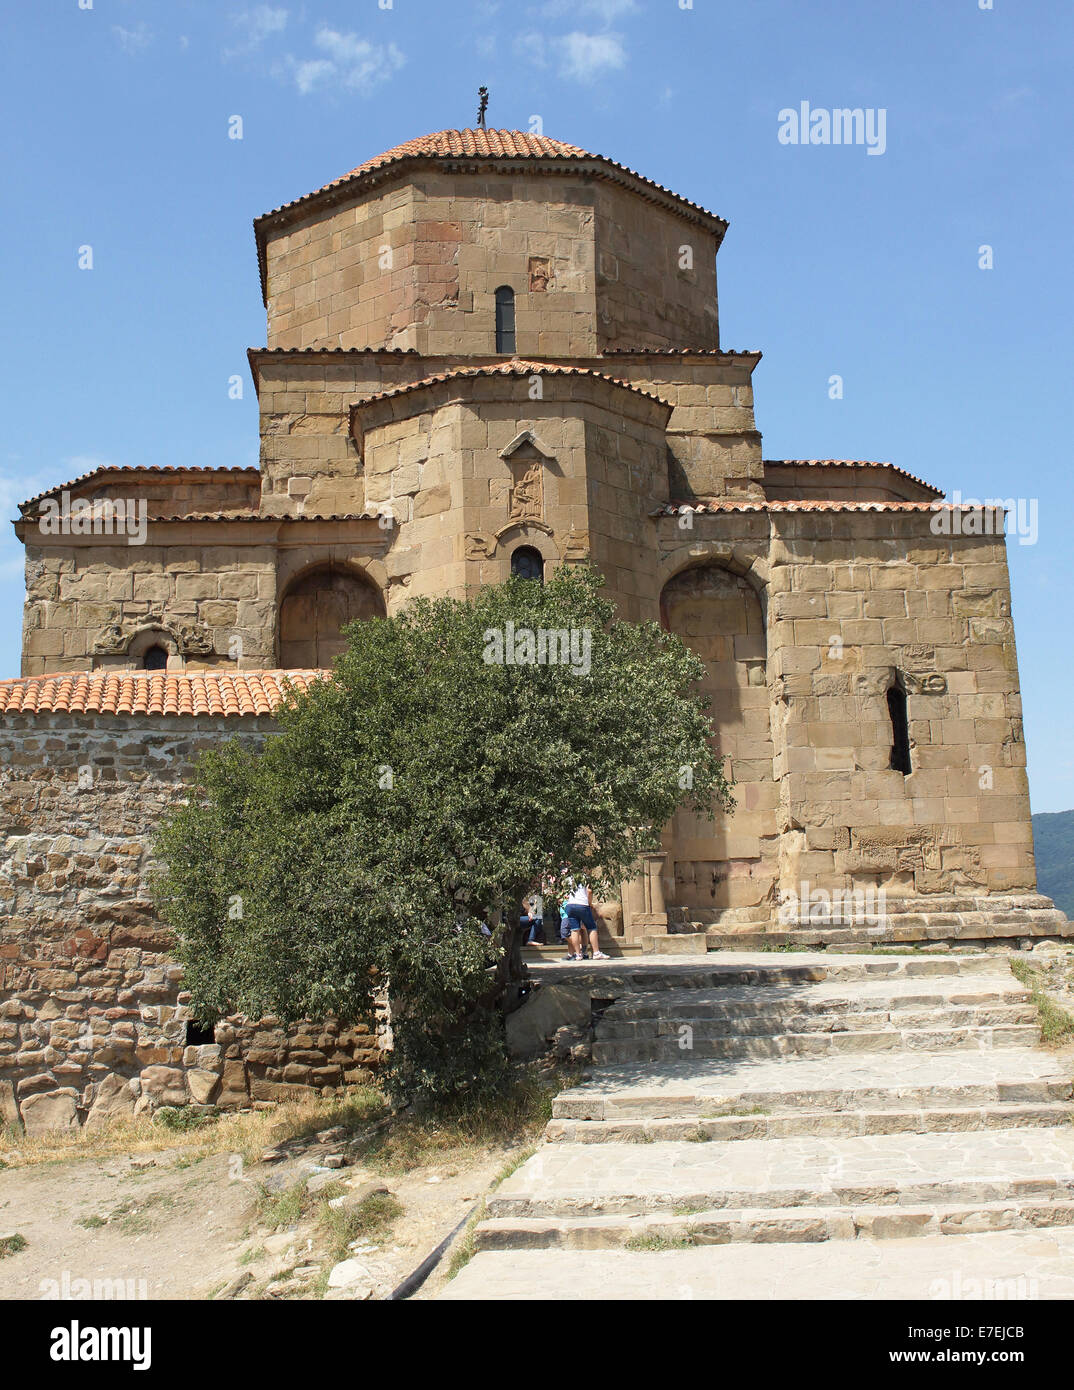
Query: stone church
(490, 352)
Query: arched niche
(731, 862)
(315, 608)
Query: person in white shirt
(580, 920)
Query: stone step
(568, 1181)
(905, 929)
(753, 968)
(1010, 903)
(776, 1023)
(762, 1225)
(666, 1049)
(1005, 1265)
(755, 1123)
(829, 996)
(878, 1081)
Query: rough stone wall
(470, 470)
(647, 294)
(93, 1017)
(417, 266)
(858, 600)
(86, 597)
(592, 265)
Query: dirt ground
(189, 1221)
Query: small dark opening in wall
(155, 659)
(528, 562)
(598, 1008)
(505, 319)
(198, 1035)
(900, 729)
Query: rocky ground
(316, 1215)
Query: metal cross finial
(483, 101)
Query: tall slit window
(505, 319)
(900, 728)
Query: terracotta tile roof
(517, 367)
(245, 515)
(508, 145)
(805, 505)
(681, 352)
(230, 694)
(131, 472)
(493, 146)
(851, 463)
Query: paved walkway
(1030, 1265)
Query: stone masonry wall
(93, 1016)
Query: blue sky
(837, 262)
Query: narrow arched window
(505, 319)
(528, 563)
(900, 728)
(155, 659)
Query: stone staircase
(980, 921)
(843, 1103)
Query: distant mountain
(1053, 838)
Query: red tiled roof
(681, 352)
(518, 366)
(230, 694)
(852, 463)
(130, 471)
(496, 146)
(484, 144)
(805, 505)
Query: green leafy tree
(442, 771)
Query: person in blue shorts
(581, 923)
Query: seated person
(532, 920)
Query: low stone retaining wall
(93, 1016)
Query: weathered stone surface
(531, 1028)
(353, 1276)
(114, 1097)
(203, 1084)
(9, 1111)
(45, 1111)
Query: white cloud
(133, 41)
(255, 26)
(309, 74)
(579, 57)
(350, 62)
(260, 22)
(606, 10)
(585, 56)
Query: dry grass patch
(246, 1134)
(1056, 1025)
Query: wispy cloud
(133, 41)
(349, 62)
(255, 26)
(586, 56)
(606, 10)
(577, 56)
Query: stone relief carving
(478, 546)
(191, 639)
(540, 273)
(916, 682)
(527, 490)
